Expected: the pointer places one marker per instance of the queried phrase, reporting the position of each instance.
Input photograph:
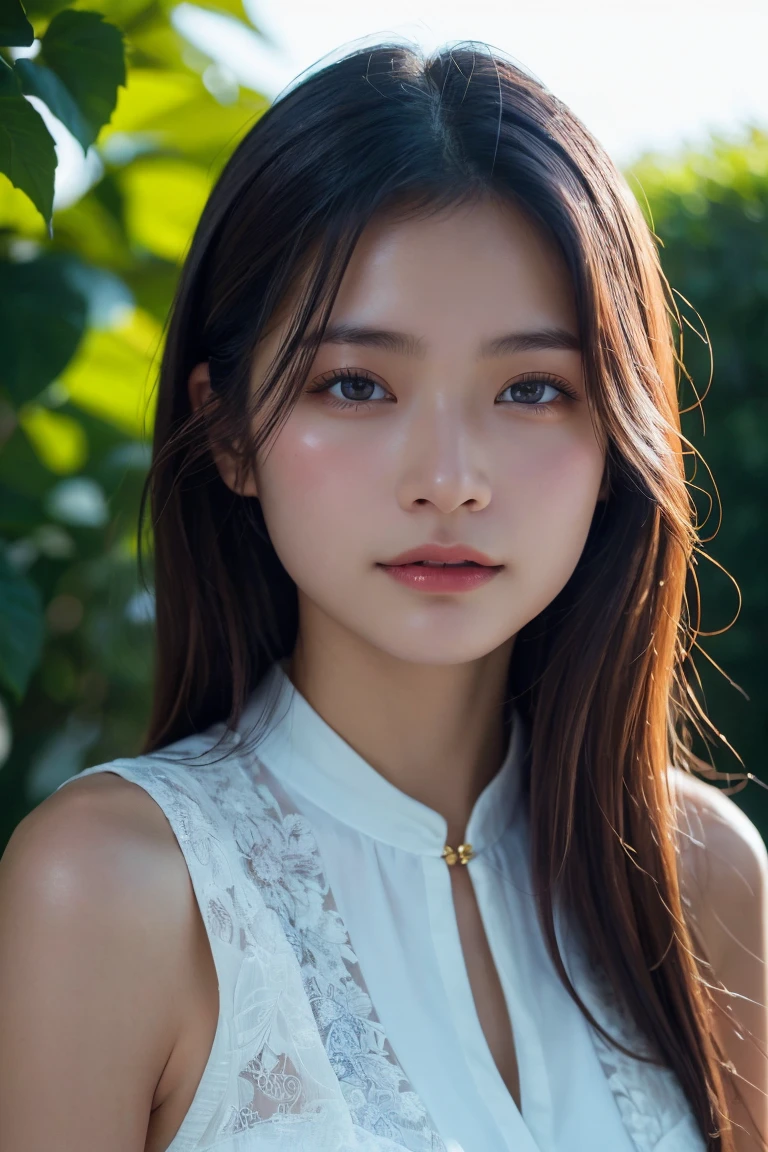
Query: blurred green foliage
(710, 212)
(81, 329)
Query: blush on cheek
(316, 492)
(578, 467)
(555, 491)
(311, 465)
(564, 469)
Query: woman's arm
(97, 924)
(724, 874)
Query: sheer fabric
(346, 1018)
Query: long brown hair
(600, 674)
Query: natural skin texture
(413, 681)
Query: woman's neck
(437, 732)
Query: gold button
(462, 856)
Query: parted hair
(600, 674)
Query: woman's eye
(533, 392)
(346, 388)
(355, 389)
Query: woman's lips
(452, 553)
(450, 578)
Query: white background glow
(641, 75)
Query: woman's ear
(200, 392)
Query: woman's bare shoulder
(99, 837)
(724, 881)
(723, 861)
(98, 919)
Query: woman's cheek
(315, 498)
(551, 488)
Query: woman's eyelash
(555, 382)
(329, 379)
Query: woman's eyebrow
(409, 345)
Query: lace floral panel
(300, 1053)
(267, 1066)
(279, 852)
(651, 1102)
(307, 1059)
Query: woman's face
(432, 434)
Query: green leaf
(58, 439)
(41, 323)
(9, 82)
(125, 357)
(175, 112)
(92, 231)
(164, 197)
(36, 80)
(27, 152)
(22, 629)
(44, 9)
(152, 93)
(124, 13)
(156, 44)
(15, 30)
(81, 66)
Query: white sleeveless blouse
(346, 1016)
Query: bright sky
(641, 74)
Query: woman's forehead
(465, 274)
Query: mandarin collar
(302, 750)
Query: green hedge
(710, 211)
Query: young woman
(412, 856)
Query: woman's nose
(444, 460)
